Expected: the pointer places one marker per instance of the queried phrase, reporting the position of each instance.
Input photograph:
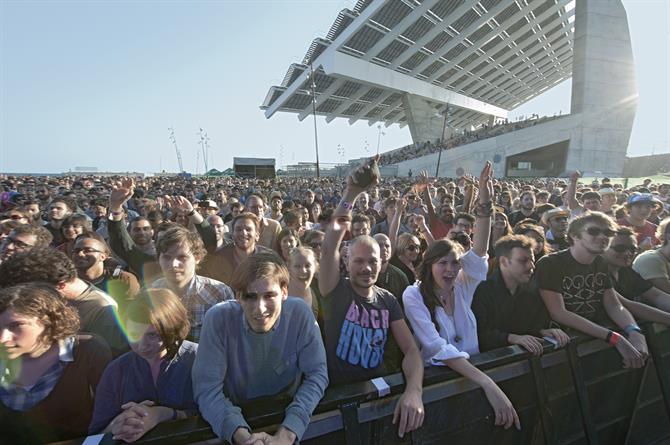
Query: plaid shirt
(201, 294)
(23, 398)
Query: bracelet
(191, 213)
(116, 213)
(346, 205)
(630, 328)
(613, 338)
(484, 210)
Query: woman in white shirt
(438, 305)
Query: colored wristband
(613, 338)
(630, 328)
(346, 205)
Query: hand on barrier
(558, 334)
(632, 358)
(409, 412)
(528, 342)
(506, 415)
(640, 343)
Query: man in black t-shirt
(359, 315)
(577, 290)
(508, 309)
(630, 284)
(526, 209)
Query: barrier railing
(579, 394)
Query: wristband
(613, 338)
(630, 328)
(346, 205)
(484, 210)
(191, 213)
(116, 213)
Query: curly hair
(45, 265)
(43, 302)
(43, 237)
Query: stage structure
(254, 167)
(444, 66)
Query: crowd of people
(129, 302)
(466, 137)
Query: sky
(98, 83)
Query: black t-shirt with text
(356, 331)
(581, 285)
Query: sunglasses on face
(595, 231)
(621, 248)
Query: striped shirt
(200, 295)
(23, 398)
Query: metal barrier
(580, 394)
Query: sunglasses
(621, 248)
(595, 231)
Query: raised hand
(486, 183)
(121, 192)
(575, 175)
(422, 181)
(366, 175)
(180, 204)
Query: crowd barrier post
(546, 418)
(660, 360)
(352, 427)
(582, 394)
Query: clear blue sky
(97, 83)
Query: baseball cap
(636, 198)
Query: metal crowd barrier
(577, 395)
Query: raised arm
(571, 196)
(424, 229)
(182, 204)
(394, 225)
(422, 188)
(357, 182)
(480, 242)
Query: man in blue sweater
(260, 345)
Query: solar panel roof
(483, 57)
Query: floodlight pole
(439, 156)
(316, 137)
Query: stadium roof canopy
(482, 57)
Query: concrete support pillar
(604, 93)
(424, 121)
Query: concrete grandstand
(446, 68)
